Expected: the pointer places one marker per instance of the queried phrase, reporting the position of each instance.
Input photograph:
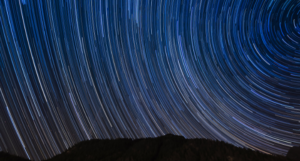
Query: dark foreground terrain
(165, 148)
(8, 157)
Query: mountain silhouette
(8, 157)
(165, 148)
(294, 153)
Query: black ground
(165, 148)
(7, 157)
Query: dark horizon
(168, 147)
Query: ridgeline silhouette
(165, 148)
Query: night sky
(79, 70)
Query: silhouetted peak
(294, 153)
(168, 147)
(8, 157)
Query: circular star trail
(219, 69)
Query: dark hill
(165, 148)
(294, 153)
(8, 157)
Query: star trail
(73, 70)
